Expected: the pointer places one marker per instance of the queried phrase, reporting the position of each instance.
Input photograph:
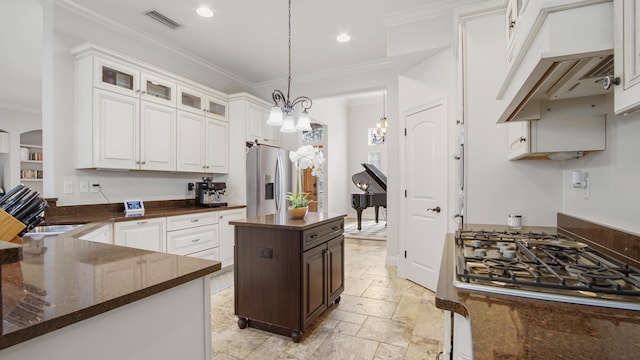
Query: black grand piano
(373, 183)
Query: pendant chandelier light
(282, 112)
(380, 134)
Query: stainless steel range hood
(566, 53)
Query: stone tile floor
(380, 316)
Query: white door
(146, 234)
(157, 137)
(117, 121)
(426, 193)
(217, 144)
(190, 142)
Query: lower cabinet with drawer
(287, 273)
(194, 235)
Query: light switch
(68, 187)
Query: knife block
(9, 227)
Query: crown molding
(130, 31)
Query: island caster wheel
(337, 300)
(296, 336)
(242, 323)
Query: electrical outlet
(68, 187)
(83, 186)
(95, 188)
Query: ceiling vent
(157, 16)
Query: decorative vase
(297, 213)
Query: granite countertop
(58, 282)
(76, 215)
(282, 221)
(511, 327)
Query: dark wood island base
(287, 272)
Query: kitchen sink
(52, 229)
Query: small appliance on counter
(208, 193)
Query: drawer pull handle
(195, 220)
(195, 240)
(335, 228)
(314, 236)
(141, 222)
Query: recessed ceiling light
(343, 38)
(205, 12)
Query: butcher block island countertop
(294, 267)
(73, 299)
(511, 327)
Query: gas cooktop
(544, 266)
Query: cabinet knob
(523, 139)
(143, 162)
(610, 80)
(512, 24)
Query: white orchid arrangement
(306, 157)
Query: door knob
(436, 209)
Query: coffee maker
(208, 193)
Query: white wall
(333, 113)
(614, 176)
(15, 122)
(495, 186)
(363, 113)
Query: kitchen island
(287, 272)
(74, 299)
(512, 327)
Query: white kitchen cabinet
(626, 55)
(134, 117)
(147, 234)
(193, 233)
(157, 137)
(191, 156)
(203, 143)
(129, 122)
(254, 112)
(103, 234)
(227, 234)
(539, 138)
(462, 345)
(114, 140)
(216, 146)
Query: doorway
(425, 206)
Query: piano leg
(377, 209)
(359, 211)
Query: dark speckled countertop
(511, 327)
(58, 283)
(282, 221)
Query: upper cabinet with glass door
(197, 101)
(131, 81)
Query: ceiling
(247, 38)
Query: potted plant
(306, 157)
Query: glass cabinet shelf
(117, 78)
(158, 90)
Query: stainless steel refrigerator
(268, 180)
